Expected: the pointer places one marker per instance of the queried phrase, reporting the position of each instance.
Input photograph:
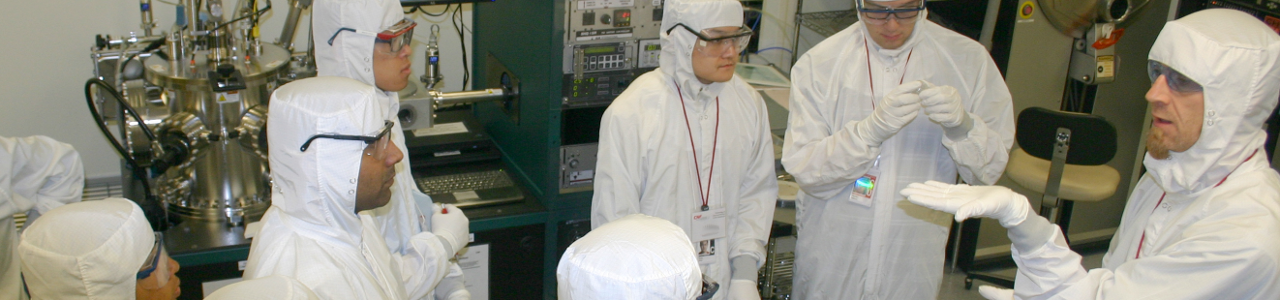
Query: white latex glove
(743, 289)
(451, 226)
(452, 288)
(895, 110)
(995, 293)
(942, 105)
(996, 202)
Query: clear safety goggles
(879, 15)
(377, 143)
(398, 36)
(157, 264)
(714, 42)
(1175, 80)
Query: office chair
(1063, 156)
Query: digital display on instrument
(653, 47)
(600, 49)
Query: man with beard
(1204, 222)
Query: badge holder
(709, 225)
(865, 187)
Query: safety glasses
(398, 36)
(1176, 81)
(714, 42)
(157, 263)
(377, 144)
(879, 15)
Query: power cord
(459, 24)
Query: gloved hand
(451, 226)
(995, 293)
(743, 289)
(895, 110)
(966, 201)
(452, 288)
(943, 106)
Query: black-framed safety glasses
(157, 263)
(715, 42)
(378, 142)
(1174, 79)
(880, 15)
(398, 36)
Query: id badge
(708, 226)
(865, 187)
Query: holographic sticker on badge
(865, 186)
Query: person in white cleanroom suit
(634, 257)
(692, 139)
(1204, 222)
(893, 99)
(37, 174)
(273, 287)
(318, 230)
(101, 249)
(357, 52)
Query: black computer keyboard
(464, 182)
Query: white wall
(45, 61)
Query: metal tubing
(291, 23)
(148, 20)
(467, 97)
(132, 40)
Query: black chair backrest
(1093, 139)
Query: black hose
(459, 24)
(150, 47)
(97, 118)
(255, 17)
(152, 207)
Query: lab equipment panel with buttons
(577, 168)
(596, 20)
(596, 73)
(650, 50)
(598, 57)
(600, 47)
(595, 89)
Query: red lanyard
(1153, 210)
(714, 140)
(872, 79)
